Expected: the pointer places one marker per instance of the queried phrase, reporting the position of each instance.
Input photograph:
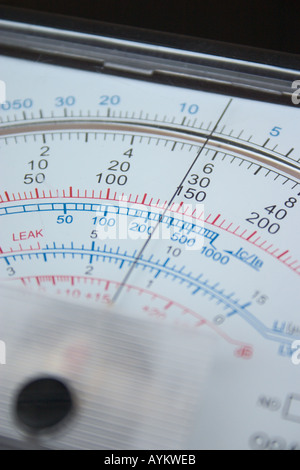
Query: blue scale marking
(169, 271)
(190, 227)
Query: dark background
(265, 24)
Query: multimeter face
(170, 203)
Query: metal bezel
(164, 58)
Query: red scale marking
(20, 250)
(77, 279)
(169, 304)
(217, 218)
(293, 263)
(143, 202)
(252, 234)
(282, 254)
(179, 207)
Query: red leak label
(28, 235)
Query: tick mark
(215, 154)
(289, 153)
(258, 169)
(282, 254)
(218, 216)
(252, 235)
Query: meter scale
(147, 215)
(160, 202)
(82, 288)
(125, 260)
(172, 136)
(222, 226)
(236, 138)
